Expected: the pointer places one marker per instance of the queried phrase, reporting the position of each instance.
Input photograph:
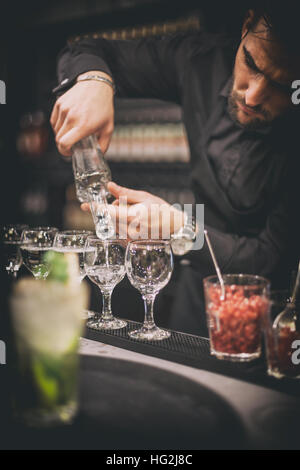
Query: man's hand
(141, 214)
(85, 109)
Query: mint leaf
(58, 267)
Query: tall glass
(235, 323)
(47, 319)
(35, 243)
(11, 241)
(104, 265)
(149, 265)
(73, 241)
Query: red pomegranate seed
(239, 319)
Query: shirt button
(64, 81)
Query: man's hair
(282, 20)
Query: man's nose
(256, 92)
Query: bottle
(283, 338)
(91, 170)
(91, 174)
(283, 359)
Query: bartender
(241, 123)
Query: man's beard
(254, 124)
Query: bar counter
(130, 399)
(268, 417)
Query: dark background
(32, 34)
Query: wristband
(99, 79)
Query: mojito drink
(48, 321)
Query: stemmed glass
(73, 241)
(149, 265)
(11, 240)
(104, 262)
(35, 243)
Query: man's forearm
(146, 68)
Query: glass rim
(109, 240)
(149, 242)
(263, 280)
(29, 243)
(41, 229)
(15, 235)
(74, 232)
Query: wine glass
(35, 243)
(104, 262)
(73, 241)
(11, 240)
(149, 265)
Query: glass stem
(10, 269)
(106, 309)
(11, 272)
(149, 302)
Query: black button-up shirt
(246, 179)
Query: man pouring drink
(241, 125)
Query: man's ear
(248, 21)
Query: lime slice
(46, 383)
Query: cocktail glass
(47, 320)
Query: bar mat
(193, 351)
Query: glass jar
(235, 321)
